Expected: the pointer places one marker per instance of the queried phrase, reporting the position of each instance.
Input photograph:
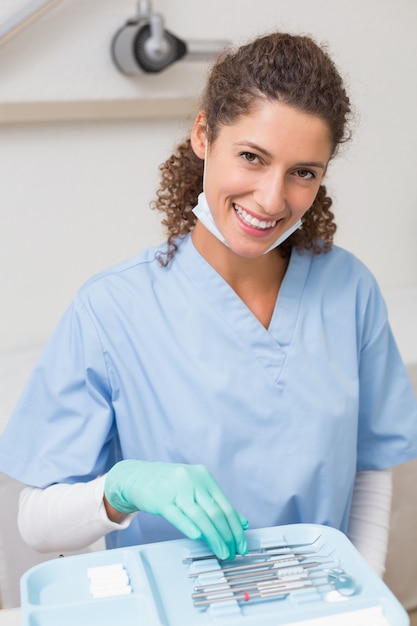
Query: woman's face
(262, 173)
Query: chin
(248, 252)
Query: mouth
(252, 221)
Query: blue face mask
(202, 211)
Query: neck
(256, 281)
(263, 269)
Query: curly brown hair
(291, 69)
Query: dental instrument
(255, 551)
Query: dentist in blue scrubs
(244, 371)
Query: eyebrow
(254, 146)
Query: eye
(250, 157)
(306, 174)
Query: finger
(201, 513)
(217, 521)
(177, 518)
(243, 521)
(236, 522)
(196, 525)
(205, 504)
(197, 505)
(216, 534)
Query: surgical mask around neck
(203, 213)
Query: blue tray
(161, 577)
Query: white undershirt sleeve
(65, 517)
(370, 516)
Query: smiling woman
(262, 161)
(244, 371)
(278, 69)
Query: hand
(186, 495)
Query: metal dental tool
(256, 551)
(273, 585)
(341, 581)
(267, 564)
(268, 592)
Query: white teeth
(253, 221)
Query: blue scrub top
(168, 364)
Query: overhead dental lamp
(143, 45)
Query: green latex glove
(186, 495)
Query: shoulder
(347, 285)
(121, 286)
(337, 258)
(339, 278)
(343, 270)
(144, 262)
(131, 275)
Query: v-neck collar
(269, 344)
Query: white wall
(74, 195)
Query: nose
(270, 194)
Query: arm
(72, 516)
(66, 517)
(370, 516)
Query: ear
(198, 135)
